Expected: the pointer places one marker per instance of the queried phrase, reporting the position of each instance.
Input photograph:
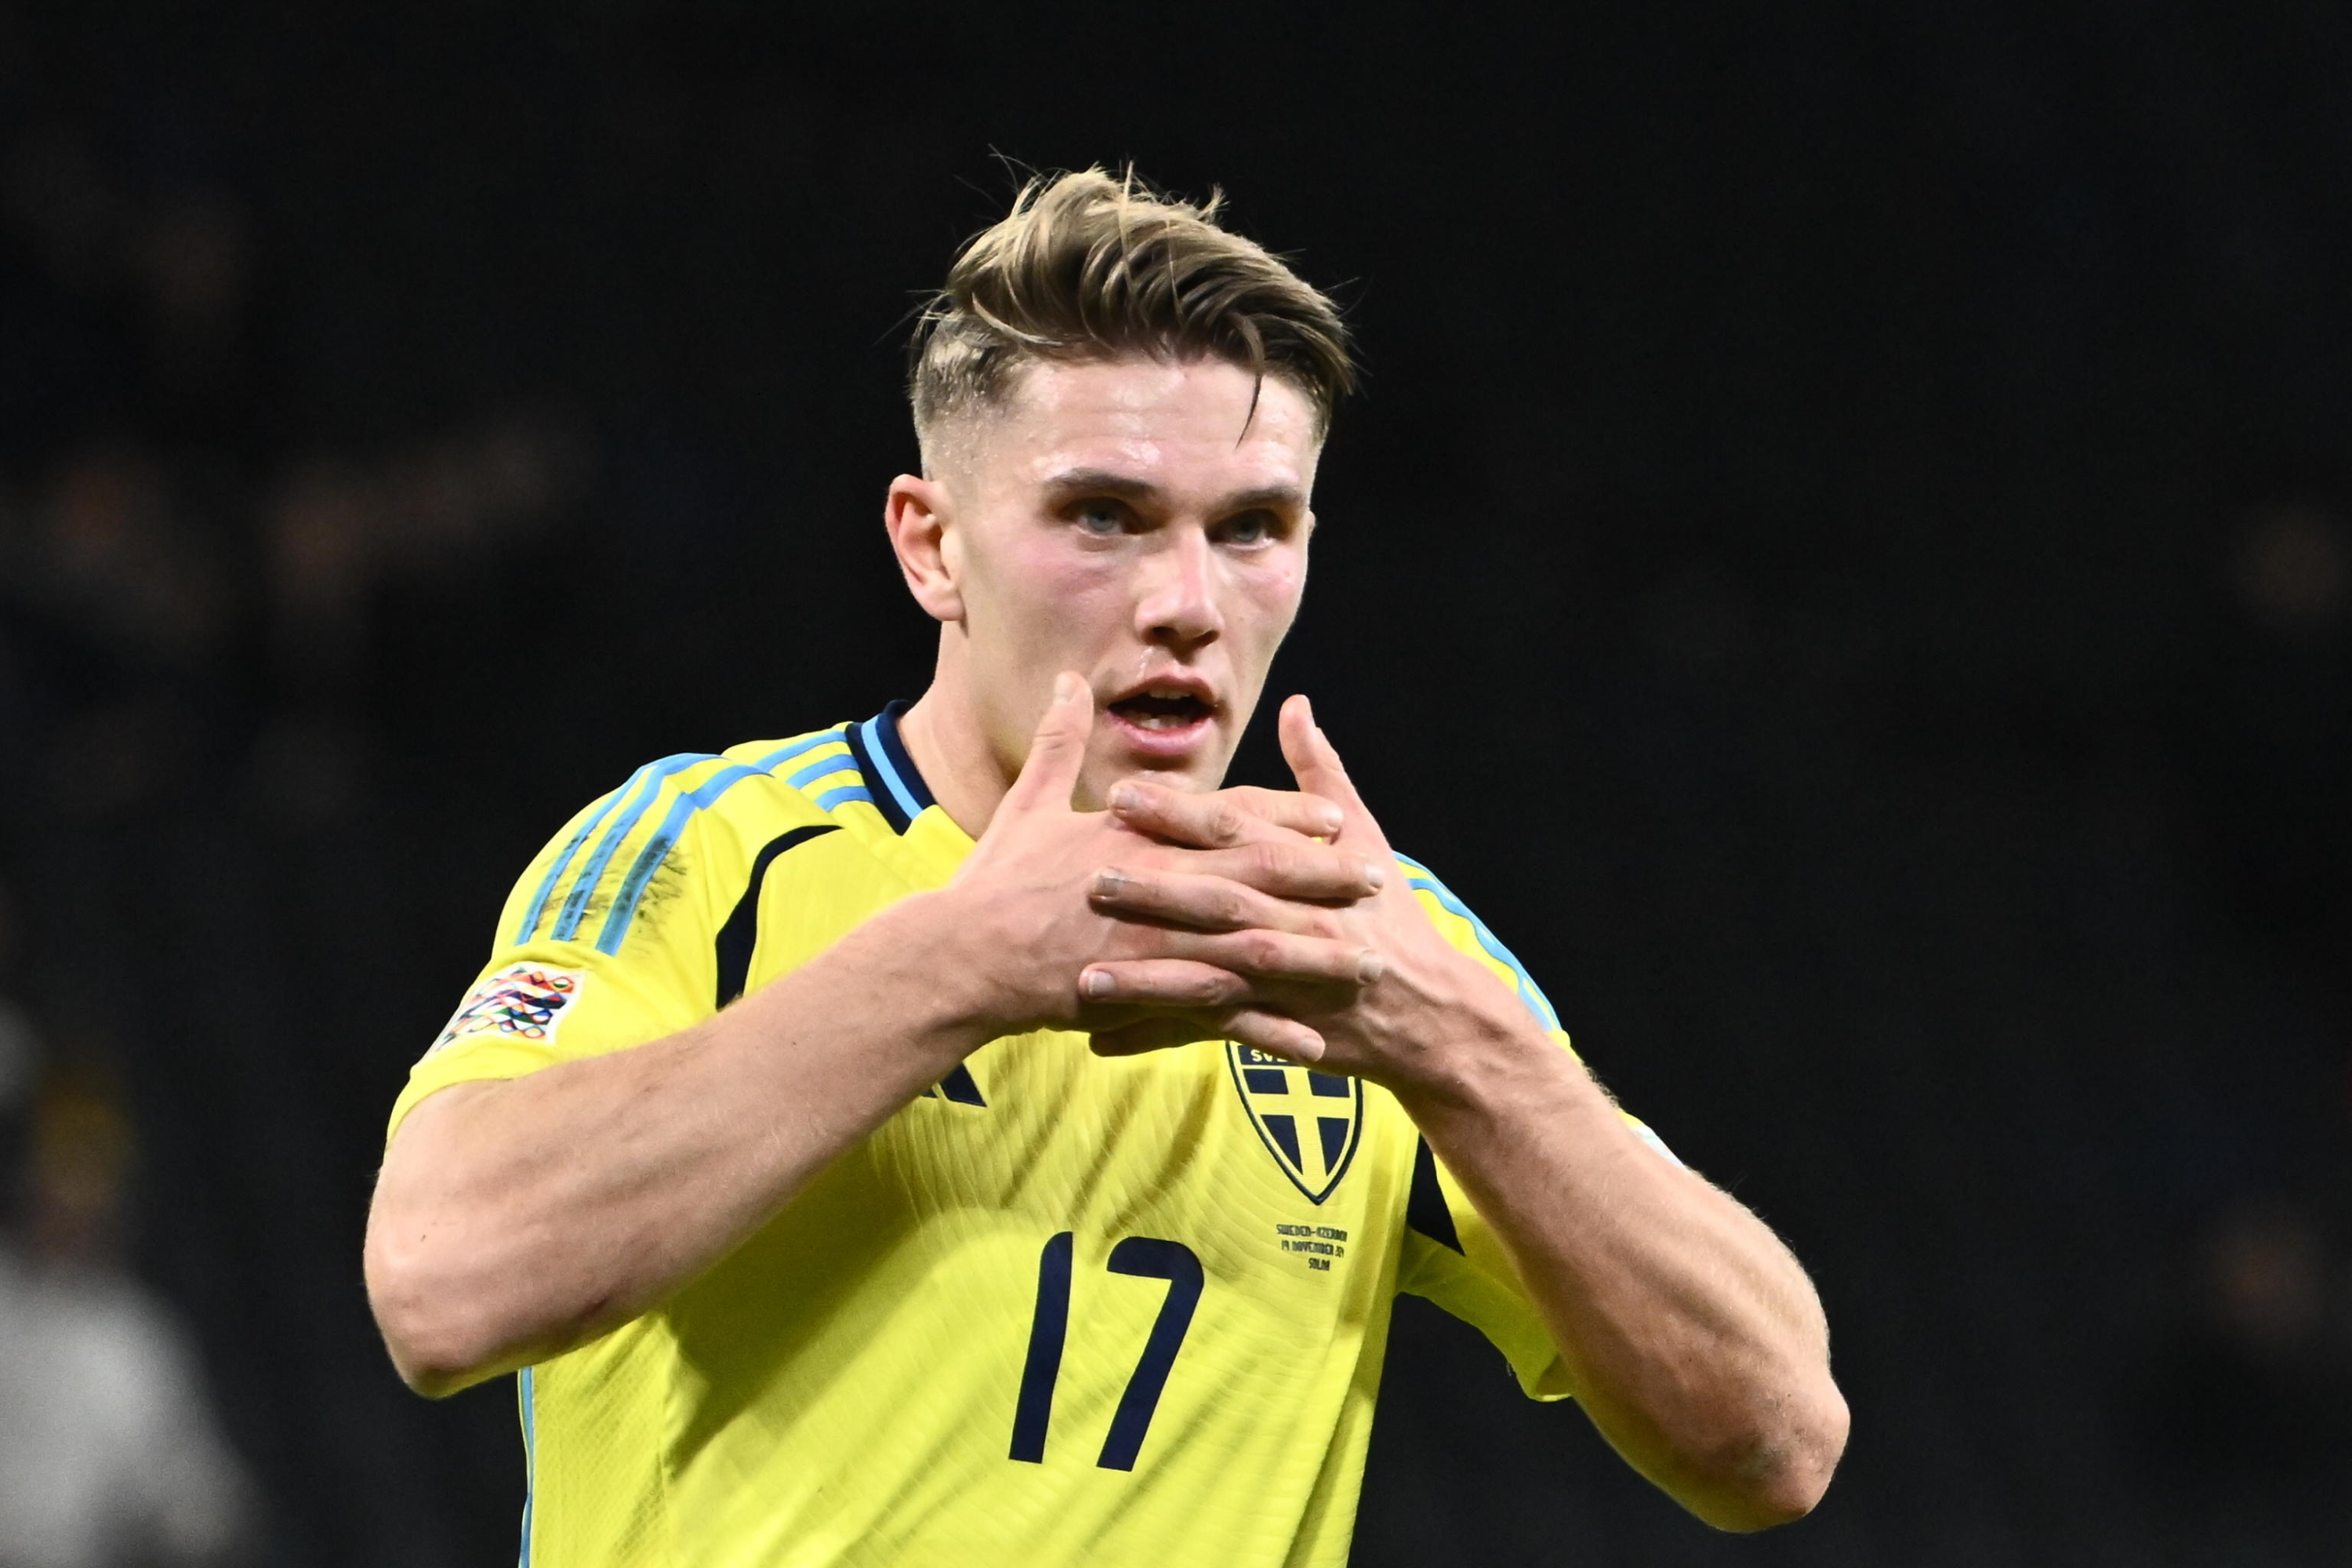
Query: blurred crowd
(190, 580)
(110, 1452)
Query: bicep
(433, 1131)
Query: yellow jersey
(1057, 1310)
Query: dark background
(1843, 561)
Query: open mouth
(1161, 710)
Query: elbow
(430, 1370)
(437, 1346)
(1778, 1473)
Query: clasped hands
(1277, 919)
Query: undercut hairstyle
(1086, 266)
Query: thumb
(1058, 750)
(1316, 765)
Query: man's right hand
(1029, 890)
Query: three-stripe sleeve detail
(569, 887)
(548, 884)
(647, 785)
(657, 848)
(865, 762)
(706, 794)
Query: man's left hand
(1383, 1031)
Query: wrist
(945, 935)
(1479, 1052)
(934, 956)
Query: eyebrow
(1072, 482)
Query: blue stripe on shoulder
(806, 745)
(555, 872)
(650, 781)
(658, 848)
(1529, 992)
(635, 794)
(908, 804)
(823, 767)
(842, 797)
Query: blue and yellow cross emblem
(1309, 1121)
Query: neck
(944, 736)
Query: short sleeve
(606, 941)
(1451, 1256)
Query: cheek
(1268, 596)
(1044, 598)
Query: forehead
(1185, 426)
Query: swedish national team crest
(1309, 1121)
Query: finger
(1058, 752)
(1276, 956)
(1212, 821)
(1315, 762)
(1274, 1035)
(1204, 903)
(1309, 816)
(1225, 898)
(1296, 868)
(1221, 818)
(1162, 983)
(1269, 1032)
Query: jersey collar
(899, 790)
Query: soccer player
(970, 1135)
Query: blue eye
(1100, 517)
(1250, 527)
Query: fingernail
(1125, 797)
(1376, 875)
(1329, 822)
(1108, 882)
(1371, 966)
(1095, 983)
(1065, 689)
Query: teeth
(1164, 707)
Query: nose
(1177, 608)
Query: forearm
(1692, 1336)
(517, 1219)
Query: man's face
(1135, 521)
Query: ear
(919, 515)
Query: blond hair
(1088, 267)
